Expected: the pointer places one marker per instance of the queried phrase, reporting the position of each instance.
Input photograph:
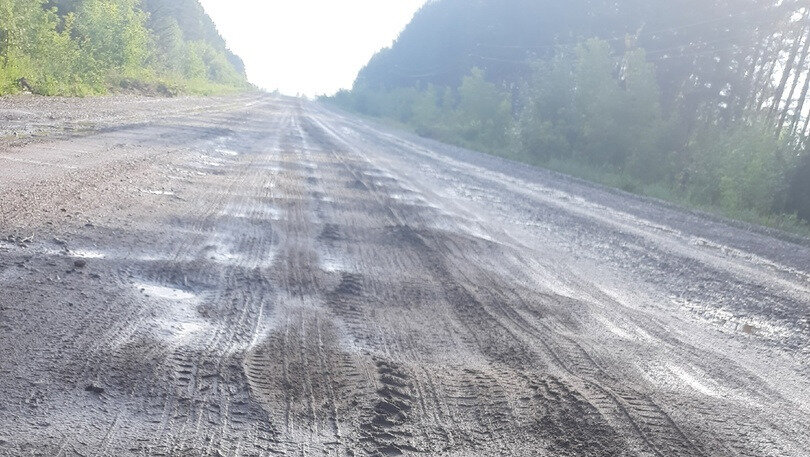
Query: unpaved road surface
(259, 276)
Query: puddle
(167, 293)
(274, 169)
(223, 253)
(380, 175)
(182, 326)
(615, 329)
(260, 211)
(227, 152)
(211, 162)
(222, 256)
(87, 254)
(692, 381)
(409, 198)
(738, 323)
(180, 320)
(186, 329)
(154, 257)
(156, 192)
(332, 264)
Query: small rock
(749, 329)
(94, 389)
(80, 263)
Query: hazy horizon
(308, 47)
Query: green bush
(598, 115)
(589, 107)
(94, 45)
(740, 168)
(484, 112)
(32, 49)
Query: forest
(704, 103)
(87, 47)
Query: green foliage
(648, 136)
(170, 48)
(82, 47)
(477, 114)
(616, 120)
(113, 34)
(741, 168)
(427, 112)
(591, 107)
(599, 115)
(32, 48)
(214, 65)
(597, 97)
(545, 127)
(484, 112)
(798, 199)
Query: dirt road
(257, 276)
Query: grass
(610, 178)
(146, 84)
(785, 222)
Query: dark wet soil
(262, 276)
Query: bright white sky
(311, 47)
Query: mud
(259, 276)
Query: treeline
(702, 103)
(84, 47)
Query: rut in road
(306, 284)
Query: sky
(308, 47)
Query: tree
(484, 111)
(31, 48)
(547, 124)
(798, 195)
(80, 47)
(114, 34)
(706, 100)
(596, 98)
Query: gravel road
(261, 276)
